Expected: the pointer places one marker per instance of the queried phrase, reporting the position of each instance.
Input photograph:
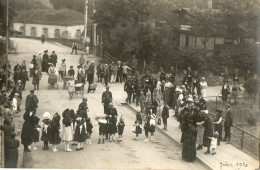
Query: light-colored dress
(213, 143)
(203, 85)
(67, 134)
(71, 85)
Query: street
(162, 153)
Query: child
(89, 130)
(55, 132)
(80, 132)
(45, 129)
(165, 115)
(71, 89)
(213, 143)
(67, 135)
(138, 123)
(11, 157)
(36, 130)
(15, 102)
(159, 113)
(71, 72)
(102, 130)
(121, 125)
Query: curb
(198, 157)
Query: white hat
(46, 115)
(102, 121)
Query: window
(22, 30)
(45, 32)
(65, 34)
(187, 41)
(57, 33)
(33, 32)
(78, 34)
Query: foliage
(127, 27)
(51, 16)
(75, 5)
(32, 4)
(252, 86)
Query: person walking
(91, 72)
(74, 47)
(63, 68)
(228, 123)
(45, 61)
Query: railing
(243, 139)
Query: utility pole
(7, 40)
(86, 22)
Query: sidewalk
(227, 157)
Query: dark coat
(107, 97)
(53, 58)
(31, 102)
(36, 77)
(12, 153)
(80, 135)
(102, 128)
(228, 119)
(165, 112)
(89, 127)
(189, 143)
(208, 132)
(27, 129)
(121, 126)
(46, 131)
(54, 130)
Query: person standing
(119, 72)
(83, 108)
(62, 69)
(189, 77)
(24, 78)
(55, 132)
(45, 61)
(37, 75)
(234, 93)
(91, 72)
(106, 99)
(203, 86)
(53, 58)
(81, 60)
(225, 92)
(12, 146)
(39, 60)
(67, 135)
(106, 74)
(165, 115)
(86, 66)
(218, 124)
(125, 71)
(27, 129)
(208, 132)
(236, 76)
(31, 102)
(113, 72)
(42, 38)
(228, 123)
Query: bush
(251, 86)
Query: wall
(69, 32)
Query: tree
(3, 16)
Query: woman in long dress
(203, 85)
(67, 135)
(71, 85)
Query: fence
(243, 139)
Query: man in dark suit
(45, 61)
(106, 99)
(31, 102)
(228, 123)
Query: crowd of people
(155, 97)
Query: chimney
(209, 4)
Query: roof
(62, 17)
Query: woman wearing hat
(203, 86)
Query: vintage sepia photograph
(130, 84)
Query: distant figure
(74, 47)
(42, 38)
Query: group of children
(75, 129)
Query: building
(49, 30)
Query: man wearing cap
(83, 107)
(106, 99)
(53, 58)
(228, 123)
(31, 102)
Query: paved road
(162, 153)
